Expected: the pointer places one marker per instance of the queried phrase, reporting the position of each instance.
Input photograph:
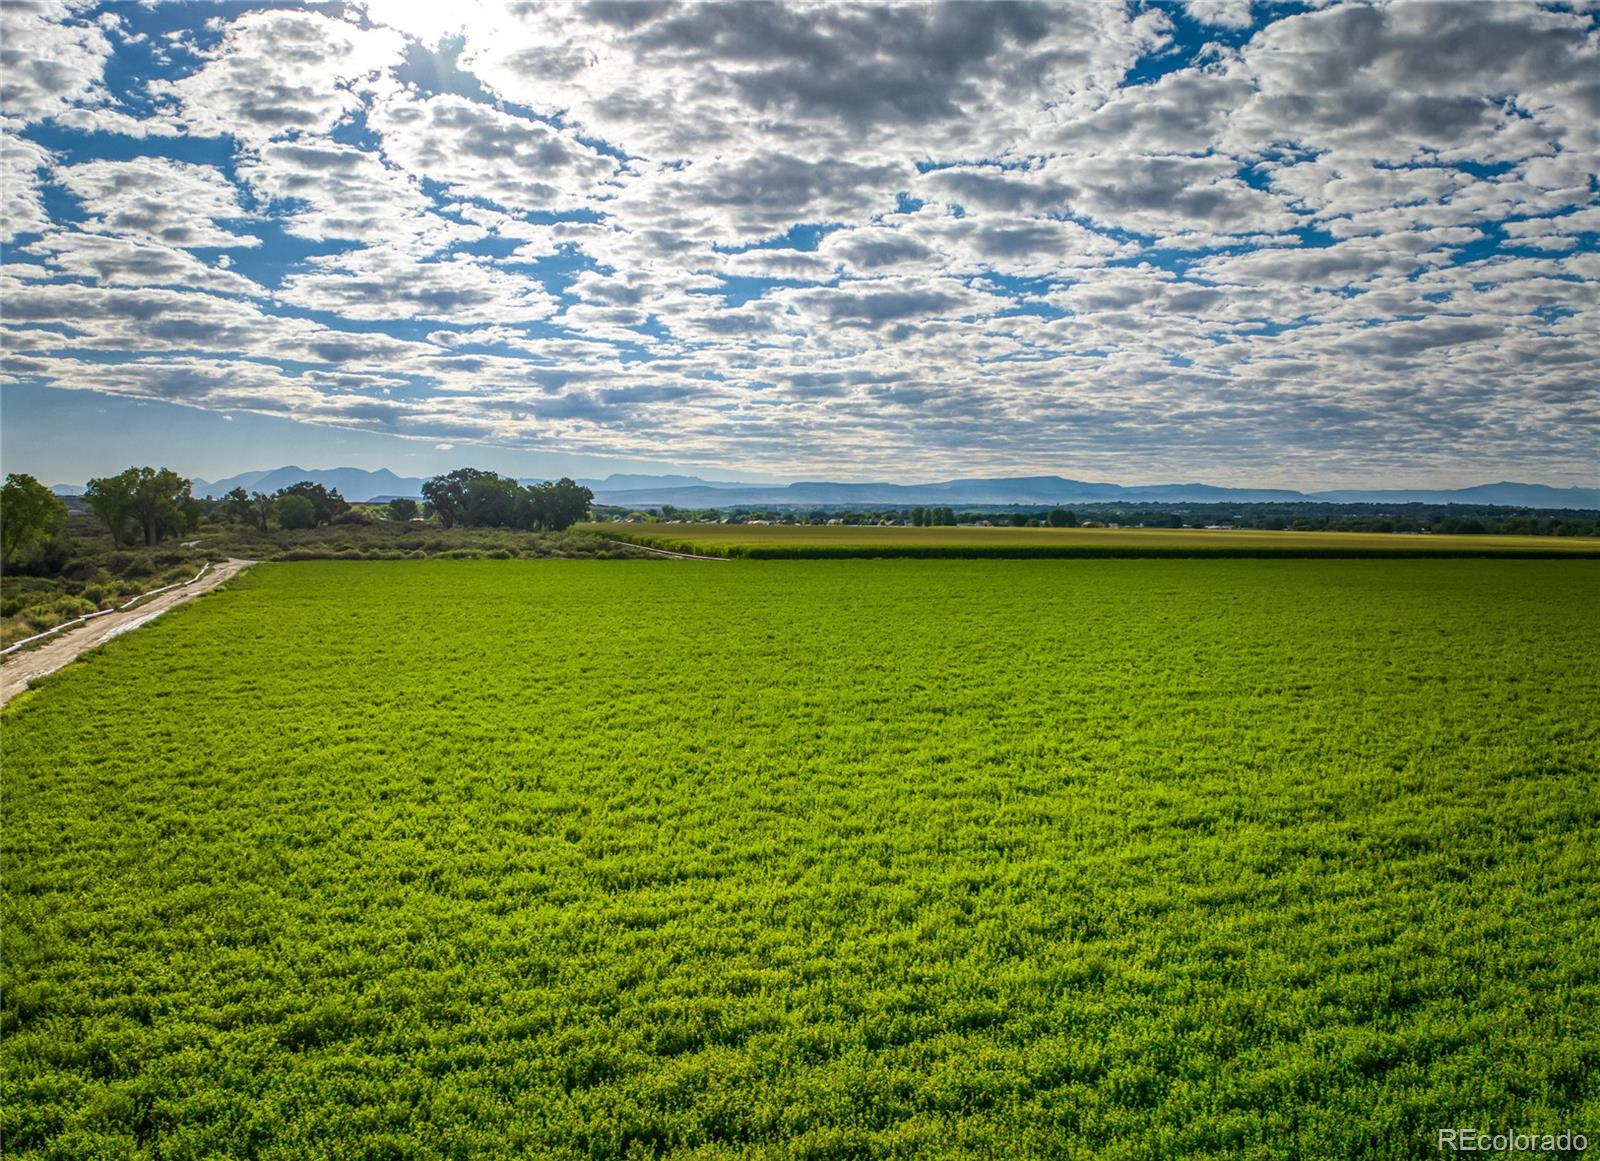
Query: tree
(262, 508)
(448, 493)
(295, 510)
(492, 501)
(149, 502)
(325, 505)
(30, 516)
(402, 509)
(111, 501)
(471, 497)
(1062, 518)
(239, 507)
(235, 507)
(556, 507)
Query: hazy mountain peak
(686, 491)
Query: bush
(130, 564)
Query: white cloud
(114, 261)
(1226, 13)
(280, 72)
(168, 202)
(818, 234)
(21, 206)
(481, 152)
(50, 60)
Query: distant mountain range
(354, 484)
(360, 486)
(1041, 490)
(641, 491)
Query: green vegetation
(471, 496)
(143, 505)
(82, 569)
(1012, 859)
(401, 508)
(1304, 516)
(775, 541)
(294, 513)
(30, 517)
(930, 517)
(77, 573)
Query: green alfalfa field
(971, 541)
(824, 859)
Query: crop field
(813, 859)
(811, 541)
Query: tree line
(475, 498)
(148, 505)
(468, 497)
(299, 506)
(1310, 516)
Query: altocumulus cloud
(1323, 243)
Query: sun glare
(429, 21)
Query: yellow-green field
(810, 540)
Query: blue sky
(1295, 245)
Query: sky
(1296, 245)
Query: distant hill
(953, 493)
(646, 491)
(1040, 490)
(618, 482)
(1504, 493)
(358, 485)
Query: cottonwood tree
(244, 507)
(475, 498)
(325, 504)
(558, 506)
(493, 501)
(150, 502)
(447, 494)
(294, 510)
(30, 516)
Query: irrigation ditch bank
(22, 666)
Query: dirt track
(21, 668)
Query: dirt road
(21, 668)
